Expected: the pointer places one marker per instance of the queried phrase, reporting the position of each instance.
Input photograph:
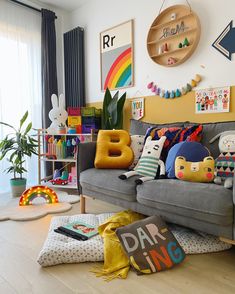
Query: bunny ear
(54, 101)
(61, 101)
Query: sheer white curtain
(20, 75)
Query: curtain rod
(28, 6)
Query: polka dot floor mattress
(59, 249)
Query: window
(20, 75)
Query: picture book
(80, 229)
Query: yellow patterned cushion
(202, 171)
(113, 149)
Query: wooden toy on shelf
(171, 60)
(167, 32)
(186, 42)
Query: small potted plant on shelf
(62, 129)
(15, 147)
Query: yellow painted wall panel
(160, 110)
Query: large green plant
(16, 146)
(112, 115)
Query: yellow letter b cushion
(113, 149)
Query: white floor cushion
(61, 249)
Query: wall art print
(212, 100)
(225, 42)
(116, 57)
(137, 108)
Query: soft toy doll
(225, 162)
(57, 114)
(149, 162)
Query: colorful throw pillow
(137, 145)
(192, 151)
(113, 149)
(175, 135)
(202, 171)
(150, 245)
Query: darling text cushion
(202, 171)
(192, 151)
(150, 245)
(113, 149)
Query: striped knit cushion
(147, 166)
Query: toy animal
(202, 171)
(57, 114)
(225, 162)
(149, 162)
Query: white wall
(98, 15)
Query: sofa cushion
(106, 181)
(139, 127)
(201, 201)
(175, 135)
(212, 129)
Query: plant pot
(18, 186)
(62, 130)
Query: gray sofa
(201, 206)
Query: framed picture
(116, 57)
(212, 100)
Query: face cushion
(191, 151)
(113, 149)
(150, 246)
(137, 145)
(175, 135)
(202, 171)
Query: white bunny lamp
(57, 114)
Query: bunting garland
(174, 93)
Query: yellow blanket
(116, 262)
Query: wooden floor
(20, 243)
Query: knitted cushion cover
(137, 145)
(175, 135)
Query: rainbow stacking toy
(38, 191)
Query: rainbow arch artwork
(38, 191)
(116, 45)
(120, 73)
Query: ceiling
(65, 4)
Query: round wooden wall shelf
(174, 35)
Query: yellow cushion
(113, 149)
(202, 171)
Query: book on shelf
(78, 230)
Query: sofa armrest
(85, 159)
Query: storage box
(74, 120)
(87, 128)
(91, 111)
(74, 111)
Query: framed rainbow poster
(116, 57)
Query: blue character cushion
(191, 151)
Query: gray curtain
(49, 70)
(74, 69)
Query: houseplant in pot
(112, 114)
(17, 145)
